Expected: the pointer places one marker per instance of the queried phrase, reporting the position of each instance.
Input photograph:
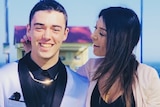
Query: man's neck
(45, 63)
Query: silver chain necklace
(46, 82)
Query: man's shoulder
(9, 67)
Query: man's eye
(56, 29)
(39, 28)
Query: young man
(40, 79)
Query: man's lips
(46, 45)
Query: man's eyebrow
(43, 25)
(38, 24)
(57, 26)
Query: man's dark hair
(48, 5)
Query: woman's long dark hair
(123, 33)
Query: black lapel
(26, 84)
(28, 90)
(60, 86)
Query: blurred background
(81, 13)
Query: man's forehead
(49, 18)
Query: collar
(38, 73)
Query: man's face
(47, 32)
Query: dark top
(97, 101)
(43, 92)
(38, 94)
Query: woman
(118, 79)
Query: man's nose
(47, 33)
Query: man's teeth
(46, 45)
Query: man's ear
(28, 28)
(66, 34)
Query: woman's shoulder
(147, 74)
(90, 67)
(146, 69)
(94, 62)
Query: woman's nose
(94, 36)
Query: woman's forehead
(100, 23)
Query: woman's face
(99, 38)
